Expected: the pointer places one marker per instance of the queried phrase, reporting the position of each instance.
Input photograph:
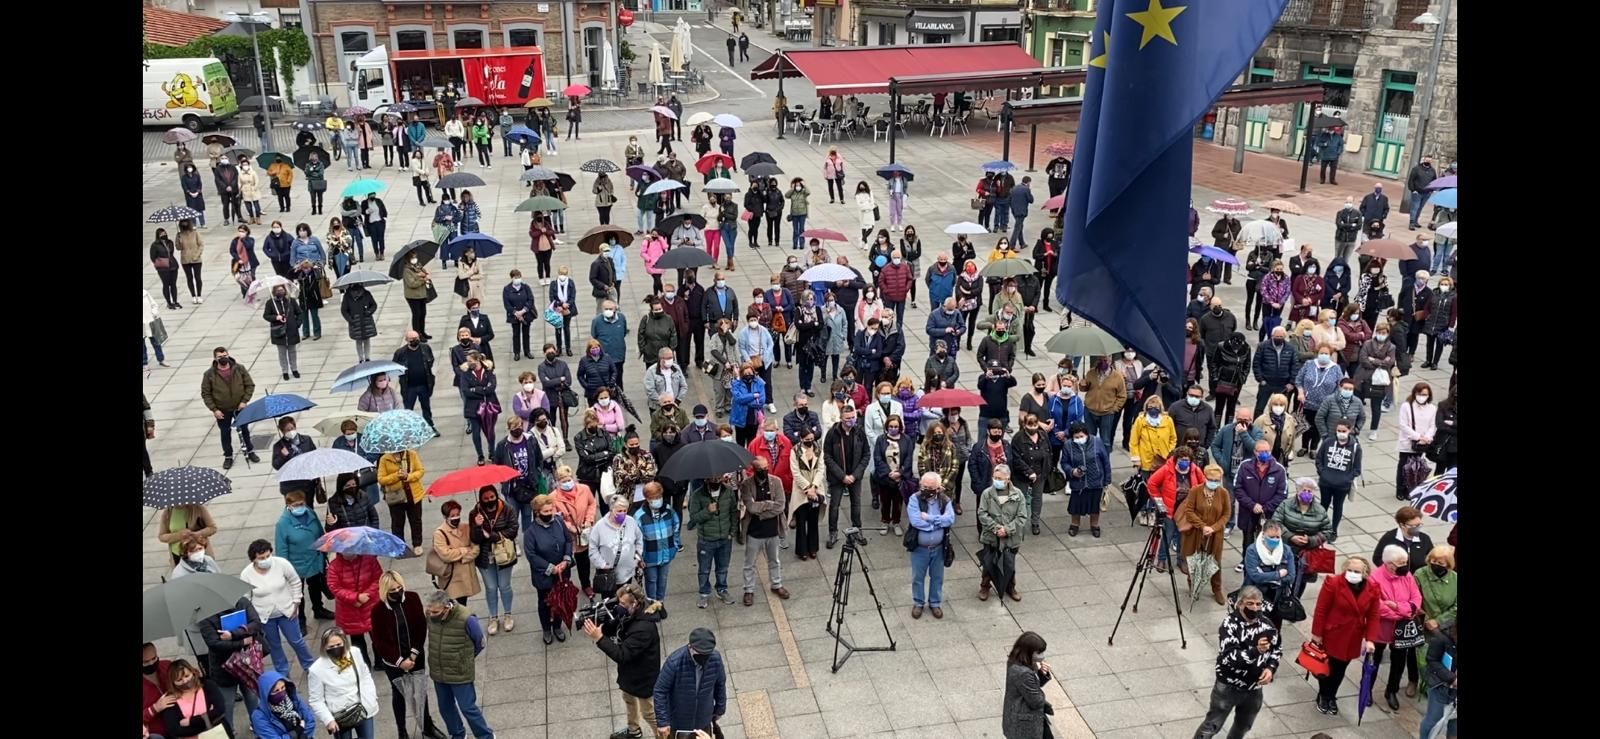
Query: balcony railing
(1346, 14)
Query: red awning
(851, 71)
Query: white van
(194, 93)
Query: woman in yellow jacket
(1003, 249)
(400, 478)
(1154, 437)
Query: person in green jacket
(1003, 515)
(1306, 524)
(484, 141)
(714, 512)
(1437, 583)
(647, 208)
(799, 208)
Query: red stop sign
(625, 17)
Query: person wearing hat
(691, 691)
(700, 428)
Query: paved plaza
(945, 677)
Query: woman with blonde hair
(1278, 427)
(1154, 437)
(180, 522)
(1326, 331)
(1202, 519)
(194, 703)
(1345, 624)
(399, 642)
(194, 559)
(338, 684)
(453, 559)
(577, 504)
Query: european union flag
(1156, 66)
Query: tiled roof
(170, 28)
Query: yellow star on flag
(1157, 22)
(1105, 51)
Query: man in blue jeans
(1021, 200)
(931, 513)
(714, 512)
(1417, 182)
(454, 641)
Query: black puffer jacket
(358, 308)
(594, 453)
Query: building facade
(1057, 33)
(570, 34)
(281, 14)
(896, 23)
(1374, 64)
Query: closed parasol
(1201, 567)
(562, 601)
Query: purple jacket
(1274, 289)
(1251, 488)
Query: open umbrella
(265, 285)
(664, 186)
(267, 159)
(482, 244)
(173, 214)
(562, 602)
(1201, 567)
(673, 223)
(664, 110)
(354, 378)
(950, 398)
(721, 186)
(469, 102)
(684, 258)
(705, 164)
(763, 169)
(1260, 232)
(179, 135)
(1444, 199)
(1369, 676)
(434, 142)
(471, 479)
(887, 172)
(754, 158)
(699, 118)
(1443, 183)
(307, 124)
(356, 110)
(239, 154)
(171, 608)
(319, 463)
(1207, 250)
(1004, 268)
(362, 188)
(1284, 206)
(1058, 149)
(827, 272)
(459, 179)
(1386, 248)
(400, 107)
(537, 173)
(728, 120)
(271, 406)
(1436, 497)
(396, 431)
(1055, 203)
(523, 136)
(361, 540)
(641, 172)
(187, 485)
(824, 234)
(599, 237)
(1447, 230)
(539, 102)
(563, 181)
(1084, 341)
(600, 166)
(575, 91)
(540, 204)
(1326, 121)
(364, 277)
(705, 461)
(1228, 207)
(330, 427)
(965, 227)
(423, 249)
(302, 155)
(998, 166)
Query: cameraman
(632, 640)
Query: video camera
(854, 537)
(602, 613)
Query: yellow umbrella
(538, 103)
(656, 74)
(677, 52)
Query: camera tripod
(841, 598)
(1141, 573)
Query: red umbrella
(563, 602)
(826, 234)
(950, 398)
(1056, 202)
(709, 161)
(576, 91)
(471, 479)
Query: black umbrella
(1137, 494)
(424, 251)
(184, 486)
(459, 179)
(704, 461)
(302, 155)
(218, 138)
(566, 181)
(671, 223)
(684, 258)
(306, 124)
(763, 169)
(239, 155)
(754, 158)
(1327, 121)
(627, 404)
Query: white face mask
(610, 313)
(350, 437)
(291, 434)
(516, 282)
(197, 557)
(1353, 577)
(1129, 356)
(527, 387)
(605, 402)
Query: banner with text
(504, 80)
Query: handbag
(461, 287)
(158, 330)
(1227, 389)
(1447, 336)
(1319, 560)
(323, 288)
(949, 549)
(1407, 634)
(605, 581)
(876, 215)
(1314, 659)
(1289, 607)
(569, 398)
(505, 552)
(977, 204)
(910, 539)
(432, 294)
(348, 717)
(162, 263)
(608, 485)
(246, 666)
(1381, 378)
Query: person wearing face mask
(1249, 649)
(1260, 485)
(339, 686)
(1377, 364)
(764, 508)
(360, 309)
(1169, 484)
(1437, 583)
(1399, 622)
(1031, 468)
(659, 331)
(1417, 425)
(746, 396)
(194, 704)
(417, 289)
(294, 538)
(892, 468)
(1338, 463)
(478, 327)
(221, 645)
(1192, 412)
(164, 258)
(289, 445)
(453, 556)
(1087, 467)
(596, 372)
(1337, 285)
(283, 315)
(634, 467)
(1306, 524)
(1345, 623)
(846, 454)
(1354, 331)
(192, 557)
(280, 713)
(399, 644)
(1439, 323)
(1274, 292)
(276, 596)
(1154, 437)
(1307, 288)
(1278, 428)
(1002, 515)
(1317, 380)
(1202, 518)
(494, 531)
(1270, 564)
(1342, 406)
(659, 541)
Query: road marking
(729, 70)
(791, 650)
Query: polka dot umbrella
(186, 485)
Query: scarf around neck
(1269, 556)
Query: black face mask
(701, 659)
(995, 437)
(1439, 570)
(550, 357)
(414, 343)
(1252, 613)
(150, 669)
(336, 652)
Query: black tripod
(1141, 573)
(841, 598)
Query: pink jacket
(1403, 591)
(832, 167)
(611, 420)
(651, 252)
(578, 510)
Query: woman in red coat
(1346, 623)
(353, 578)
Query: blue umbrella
(173, 214)
(523, 136)
(362, 540)
(998, 166)
(320, 463)
(1444, 199)
(355, 378)
(482, 244)
(362, 188)
(888, 171)
(396, 431)
(1213, 252)
(271, 406)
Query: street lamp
(251, 19)
(1436, 24)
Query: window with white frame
(352, 43)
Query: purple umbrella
(1213, 252)
(1369, 677)
(640, 172)
(1443, 183)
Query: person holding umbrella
(1002, 522)
(1346, 624)
(399, 644)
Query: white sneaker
(494, 626)
(772, 408)
(1372, 435)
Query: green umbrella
(266, 159)
(1201, 567)
(541, 203)
(1007, 268)
(1083, 340)
(362, 188)
(172, 607)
